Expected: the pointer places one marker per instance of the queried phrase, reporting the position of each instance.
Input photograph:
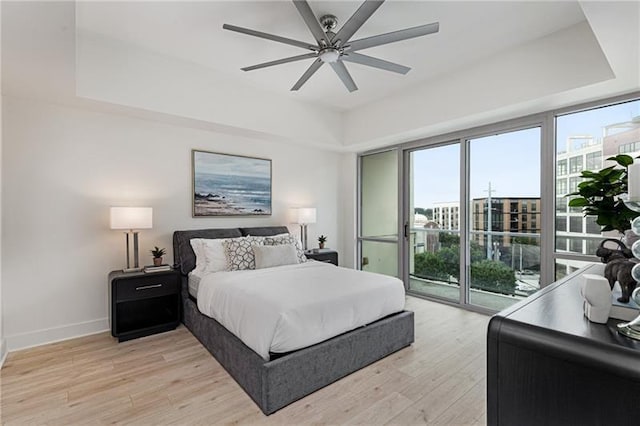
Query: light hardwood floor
(170, 378)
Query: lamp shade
(306, 215)
(131, 217)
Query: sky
(591, 122)
(510, 161)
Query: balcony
(504, 267)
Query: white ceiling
(192, 31)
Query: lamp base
(129, 270)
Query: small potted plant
(157, 254)
(321, 240)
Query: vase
(157, 261)
(321, 245)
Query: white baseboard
(3, 351)
(56, 334)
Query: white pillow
(214, 253)
(201, 260)
(270, 256)
(287, 239)
(210, 254)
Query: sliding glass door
(434, 221)
(474, 231)
(504, 217)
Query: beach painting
(230, 185)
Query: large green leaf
(578, 202)
(623, 159)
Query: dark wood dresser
(548, 365)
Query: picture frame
(230, 185)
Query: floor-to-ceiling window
(584, 140)
(481, 216)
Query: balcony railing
(502, 262)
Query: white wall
(62, 168)
(347, 209)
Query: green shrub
(430, 266)
(486, 274)
(493, 276)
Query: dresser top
(558, 309)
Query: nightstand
(143, 303)
(323, 255)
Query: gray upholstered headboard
(183, 255)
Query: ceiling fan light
(329, 55)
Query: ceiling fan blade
(361, 59)
(341, 70)
(354, 23)
(315, 66)
(312, 22)
(280, 61)
(392, 37)
(270, 37)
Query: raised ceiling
(173, 62)
(192, 32)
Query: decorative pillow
(270, 256)
(287, 239)
(239, 252)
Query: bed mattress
(194, 283)
(290, 307)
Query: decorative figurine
(596, 297)
(618, 267)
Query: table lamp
(305, 216)
(132, 219)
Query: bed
(276, 381)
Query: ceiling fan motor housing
(329, 55)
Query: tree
(448, 239)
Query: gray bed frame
(276, 383)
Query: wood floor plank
(170, 378)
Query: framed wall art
(230, 185)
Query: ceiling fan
(337, 48)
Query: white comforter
(290, 307)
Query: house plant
(321, 240)
(157, 254)
(599, 195)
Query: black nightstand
(323, 255)
(143, 303)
